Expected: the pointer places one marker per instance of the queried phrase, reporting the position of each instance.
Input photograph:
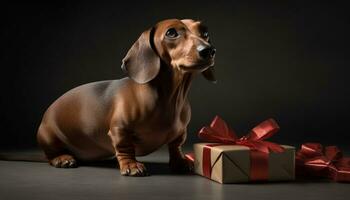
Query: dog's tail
(28, 156)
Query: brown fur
(133, 116)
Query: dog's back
(78, 119)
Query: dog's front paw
(180, 165)
(64, 161)
(132, 168)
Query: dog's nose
(206, 51)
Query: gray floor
(29, 180)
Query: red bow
(313, 159)
(219, 132)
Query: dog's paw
(133, 168)
(181, 165)
(64, 161)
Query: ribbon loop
(264, 130)
(311, 150)
(220, 127)
(333, 153)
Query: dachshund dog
(135, 115)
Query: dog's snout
(206, 51)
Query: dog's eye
(172, 33)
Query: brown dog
(133, 116)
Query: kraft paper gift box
(226, 158)
(231, 163)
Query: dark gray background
(283, 59)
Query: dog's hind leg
(55, 149)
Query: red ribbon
(219, 132)
(314, 160)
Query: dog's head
(182, 44)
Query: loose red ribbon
(314, 160)
(219, 132)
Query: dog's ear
(209, 74)
(142, 63)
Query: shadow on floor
(154, 168)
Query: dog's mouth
(201, 66)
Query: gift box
(232, 163)
(225, 158)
